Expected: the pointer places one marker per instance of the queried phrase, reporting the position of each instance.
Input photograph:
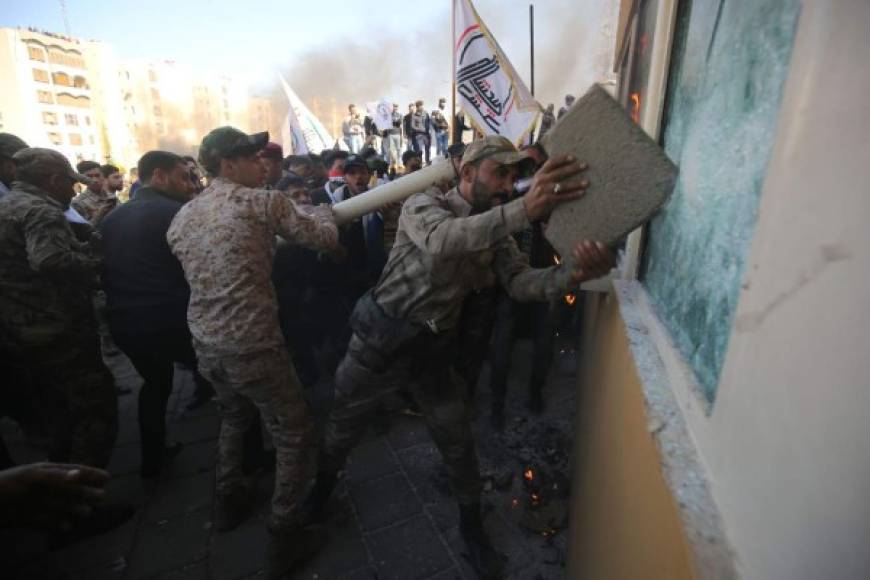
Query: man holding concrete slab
(447, 245)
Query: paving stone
(180, 496)
(371, 459)
(194, 458)
(103, 551)
(408, 551)
(407, 432)
(367, 573)
(426, 470)
(195, 571)
(239, 553)
(194, 429)
(343, 553)
(170, 545)
(451, 574)
(381, 502)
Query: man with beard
(404, 331)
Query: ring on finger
(557, 188)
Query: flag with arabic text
(302, 132)
(488, 88)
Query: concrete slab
(630, 177)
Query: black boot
(314, 507)
(232, 509)
(290, 548)
(488, 563)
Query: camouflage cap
(36, 161)
(493, 147)
(10, 145)
(226, 142)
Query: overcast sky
(348, 50)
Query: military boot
(232, 509)
(488, 563)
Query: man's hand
(551, 186)
(49, 494)
(591, 260)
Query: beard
(482, 196)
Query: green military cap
(10, 145)
(39, 161)
(226, 142)
(493, 147)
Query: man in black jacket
(147, 294)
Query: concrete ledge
(659, 367)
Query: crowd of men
(241, 274)
(418, 130)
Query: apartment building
(48, 97)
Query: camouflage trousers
(422, 367)
(72, 395)
(264, 381)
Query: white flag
(488, 89)
(302, 132)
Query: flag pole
(453, 122)
(532, 43)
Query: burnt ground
(391, 518)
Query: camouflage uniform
(93, 206)
(225, 240)
(405, 330)
(47, 326)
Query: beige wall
(785, 446)
(787, 442)
(624, 523)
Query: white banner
(488, 89)
(302, 132)
(381, 113)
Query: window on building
(55, 138)
(40, 75)
(155, 94)
(69, 100)
(62, 79)
(80, 82)
(87, 120)
(157, 111)
(696, 248)
(45, 97)
(71, 119)
(36, 53)
(75, 139)
(49, 118)
(71, 58)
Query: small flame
(556, 259)
(635, 107)
(529, 474)
(570, 299)
(536, 499)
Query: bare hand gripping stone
(630, 177)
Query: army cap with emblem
(39, 161)
(226, 142)
(10, 145)
(493, 147)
